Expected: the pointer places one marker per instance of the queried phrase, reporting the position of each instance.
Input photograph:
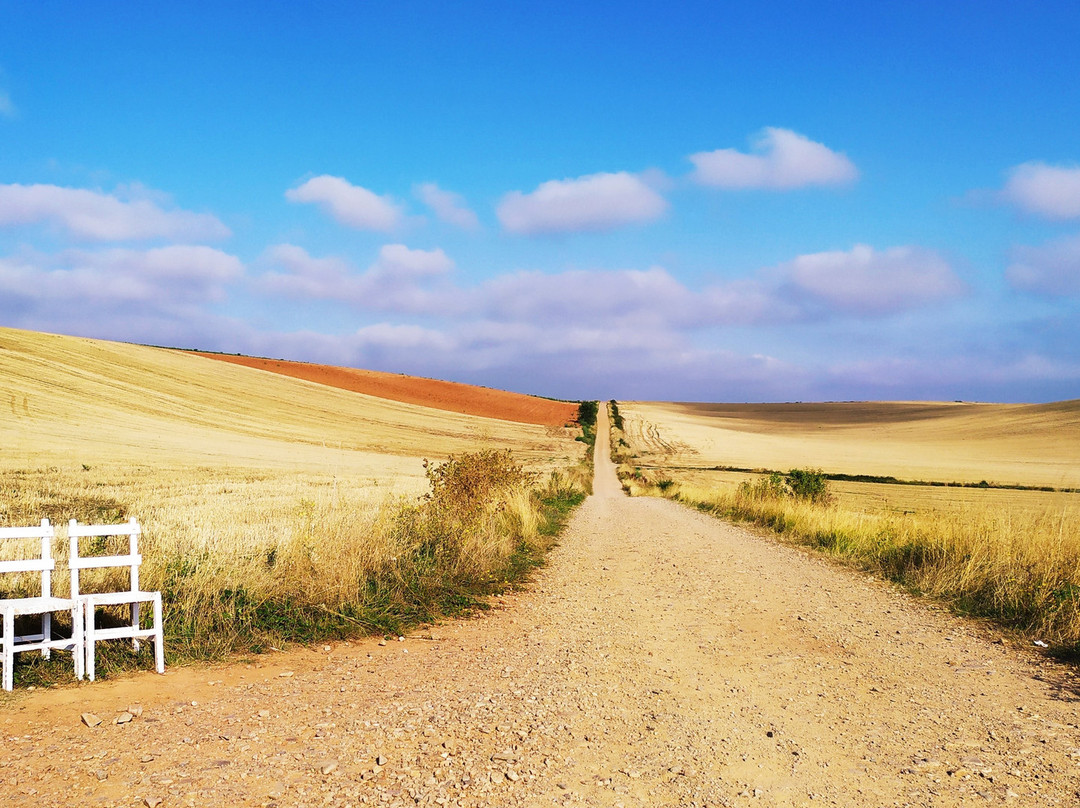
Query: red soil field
(440, 395)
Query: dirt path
(663, 658)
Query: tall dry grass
(1018, 565)
(247, 559)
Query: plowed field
(450, 396)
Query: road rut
(661, 658)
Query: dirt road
(663, 658)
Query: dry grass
(273, 508)
(248, 559)
(1021, 566)
(1010, 555)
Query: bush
(805, 484)
(616, 416)
(587, 413)
(809, 484)
(587, 420)
(463, 487)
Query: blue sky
(696, 201)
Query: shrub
(809, 484)
(462, 487)
(587, 420)
(587, 413)
(616, 416)
(804, 484)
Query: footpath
(662, 658)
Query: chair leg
(159, 637)
(46, 634)
(9, 649)
(88, 639)
(78, 645)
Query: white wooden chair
(133, 596)
(43, 605)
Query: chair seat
(114, 598)
(36, 605)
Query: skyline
(709, 202)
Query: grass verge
(246, 561)
(1019, 567)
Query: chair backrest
(43, 563)
(78, 562)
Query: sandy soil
(662, 658)
(450, 396)
(1027, 444)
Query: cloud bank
(594, 203)
(95, 216)
(861, 282)
(782, 160)
(349, 204)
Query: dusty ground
(663, 658)
(450, 396)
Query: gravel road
(662, 658)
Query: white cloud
(1051, 269)
(398, 261)
(117, 293)
(865, 281)
(7, 108)
(349, 204)
(400, 279)
(1044, 190)
(97, 216)
(448, 206)
(784, 160)
(596, 202)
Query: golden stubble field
(247, 482)
(1025, 444)
(68, 401)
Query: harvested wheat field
(75, 401)
(440, 395)
(272, 507)
(1026, 444)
